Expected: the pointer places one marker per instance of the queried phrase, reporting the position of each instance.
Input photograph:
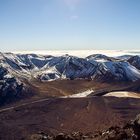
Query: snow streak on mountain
(46, 67)
(16, 67)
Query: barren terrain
(67, 115)
(47, 111)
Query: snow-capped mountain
(135, 61)
(116, 71)
(124, 57)
(67, 66)
(10, 86)
(47, 68)
(15, 69)
(99, 58)
(72, 67)
(33, 61)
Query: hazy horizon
(81, 53)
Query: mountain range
(15, 69)
(45, 95)
(49, 67)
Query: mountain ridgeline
(16, 68)
(47, 68)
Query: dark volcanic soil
(67, 115)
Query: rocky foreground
(130, 131)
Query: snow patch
(81, 94)
(122, 94)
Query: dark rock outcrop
(10, 87)
(130, 131)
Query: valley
(65, 94)
(67, 115)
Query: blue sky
(69, 24)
